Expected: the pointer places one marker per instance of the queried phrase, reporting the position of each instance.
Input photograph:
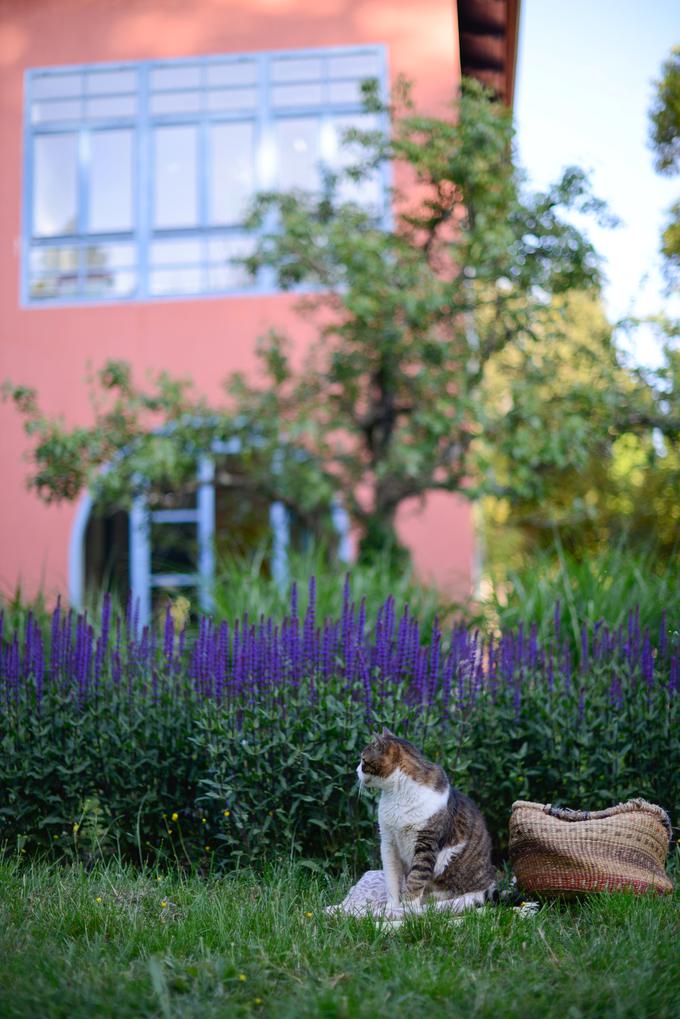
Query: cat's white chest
(404, 809)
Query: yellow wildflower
(179, 610)
(76, 826)
(164, 903)
(258, 1001)
(242, 977)
(309, 914)
(174, 816)
(98, 899)
(226, 813)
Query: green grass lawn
(114, 942)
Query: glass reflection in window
(175, 183)
(110, 181)
(55, 207)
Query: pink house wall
(51, 348)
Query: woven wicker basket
(557, 851)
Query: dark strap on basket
(566, 813)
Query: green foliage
(593, 587)
(665, 116)
(665, 140)
(241, 579)
(195, 784)
(603, 480)
(411, 321)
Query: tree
(393, 401)
(621, 488)
(665, 140)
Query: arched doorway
(168, 542)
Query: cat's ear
(386, 734)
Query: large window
(138, 176)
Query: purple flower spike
(584, 648)
(168, 637)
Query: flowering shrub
(240, 739)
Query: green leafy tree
(665, 140)
(615, 477)
(395, 398)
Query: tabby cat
(433, 839)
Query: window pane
(232, 99)
(224, 271)
(297, 95)
(345, 92)
(105, 82)
(62, 284)
(113, 256)
(55, 185)
(175, 185)
(111, 106)
(297, 141)
(110, 181)
(238, 73)
(54, 110)
(176, 102)
(176, 281)
(361, 66)
(54, 260)
(106, 283)
(232, 171)
(176, 77)
(296, 70)
(50, 85)
(176, 252)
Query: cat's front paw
(411, 896)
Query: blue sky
(584, 87)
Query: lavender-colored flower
(674, 675)
(38, 669)
(168, 637)
(55, 636)
(566, 667)
(533, 647)
(647, 660)
(517, 699)
(584, 648)
(615, 692)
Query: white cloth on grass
(368, 897)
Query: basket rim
(634, 806)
